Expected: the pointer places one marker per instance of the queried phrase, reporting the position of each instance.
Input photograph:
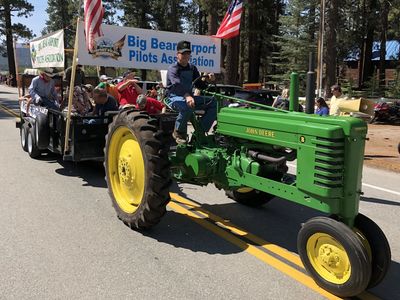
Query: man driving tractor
(179, 91)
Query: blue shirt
(41, 89)
(110, 105)
(322, 111)
(180, 79)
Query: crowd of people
(96, 101)
(321, 107)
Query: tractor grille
(329, 162)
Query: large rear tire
(137, 169)
(335, 256)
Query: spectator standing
(128, 89)
(79, 76)
(322, 108)
(336, 99)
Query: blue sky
(38, 19)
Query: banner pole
(16, 68)
(71, 90)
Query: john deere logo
(302, 139)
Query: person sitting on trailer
(151, 105)
(80, 78)
(128, 89)
(103, 102)
(179, 91)
(42, 89)
(110, 88)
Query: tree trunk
(382, 56)
(9, 42)
(253, 45)
(232, 61)
(174, 16)
(331, 52)
(213, 22)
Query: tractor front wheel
(377, 245)
(335, 256)
(137, 169)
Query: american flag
(230, 25)
(94, 12)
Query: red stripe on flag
(230, 25)
(94, 12)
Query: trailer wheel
(33, 150)
(249, 197)
(335, 256)
(24, 136)
(377, 245)
(42, 132)
(137, 170)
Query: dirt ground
(381, 148)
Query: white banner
(129, 47)
(48, 51)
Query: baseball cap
(184, 46)
(104, 77)
(101, 85)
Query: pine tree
(8, 8)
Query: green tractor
(345, 252)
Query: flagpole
(71, 90)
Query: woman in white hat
(42, 89)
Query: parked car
(224, 89)
(257, 96)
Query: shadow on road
(91, 172)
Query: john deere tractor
(247, 157)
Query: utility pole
(320, 67)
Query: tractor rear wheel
(249, 197)
(137, 169)
(335, 256)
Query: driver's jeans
(208, 104)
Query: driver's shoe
(180, 137)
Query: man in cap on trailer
(151, 105)
(110, 88)
(42, 89)
(128, 89)
(80, 78)
(180, 77)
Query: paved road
(60, 237)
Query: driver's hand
(190, 101)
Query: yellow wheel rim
(126, 171)
(329, 258)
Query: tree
(19, 8)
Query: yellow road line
(295, 259)
(253, 250)
(201, 215)
(9, 111)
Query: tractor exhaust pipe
(310, 90)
